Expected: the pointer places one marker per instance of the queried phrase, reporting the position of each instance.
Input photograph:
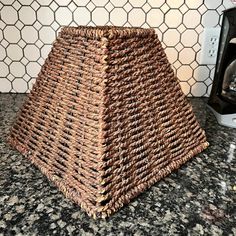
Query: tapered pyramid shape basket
(106, 118)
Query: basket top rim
(98, 32)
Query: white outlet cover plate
(207, 58)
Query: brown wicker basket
(106, 117)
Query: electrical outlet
(210, 41)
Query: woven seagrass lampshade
(106, 118)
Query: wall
(28, 28)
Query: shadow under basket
(106, 118)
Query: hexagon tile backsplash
(28, 28)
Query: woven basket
(106, 118)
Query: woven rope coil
(106, 118)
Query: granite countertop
(198, 199)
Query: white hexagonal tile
(29, 34)
(194, 65)
(32, 53)
(100, 16)
(100, 3)
(44, 2)
(209, 87)
(175, 3)
(27, 15)
(31, 82)
(210, 19)
(183, 9)
(37, 25)
(196, 47)
(11, 34)
(63, 16)
(41, 61)
(54, 5)
(228, 4)
(155, 3)
(119, 3)
(21, 43)
(192, 18)
(4, 43)
(155, 17)
(199, 29)
(82, 16)
(181, 28)
(173, 18)
(55, 26)
(145, 25)
(136, 17)
(24, 61)
(220, 9)
(28, 2)
(136, 3)
(63, 3)
(7, 2)
(184, 73)
(127, 7)
(19, 85)
(32, 69)
(2, 24)
(179, 46)
(17, 69)
(177, 64)
(91, 23)
(1, 35)
(90, 6)
(208, 81)
(118, 16)
(127, 24)
(3, 69)
(171, 37)
(202, 9)
(45, 51)
(109, 7)
(193, 4)
(198, 56)
(35, 6)
(5, 85)
(45, 15)
(172, 54)
(26, 77)
(165, 8)
(212, 4)
(198, 89)
(191, 81)
(9, 15)
(7, 60)
(201, 73)
(14, 52)
(189, 38)
(185, 87)
(47, 34)
(2, 53)
(212, 73)
(186, 56)
(146, 7)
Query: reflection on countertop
(198, 199)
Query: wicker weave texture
(106, 117)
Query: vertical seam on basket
(104, 46)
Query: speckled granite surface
(198, 199)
